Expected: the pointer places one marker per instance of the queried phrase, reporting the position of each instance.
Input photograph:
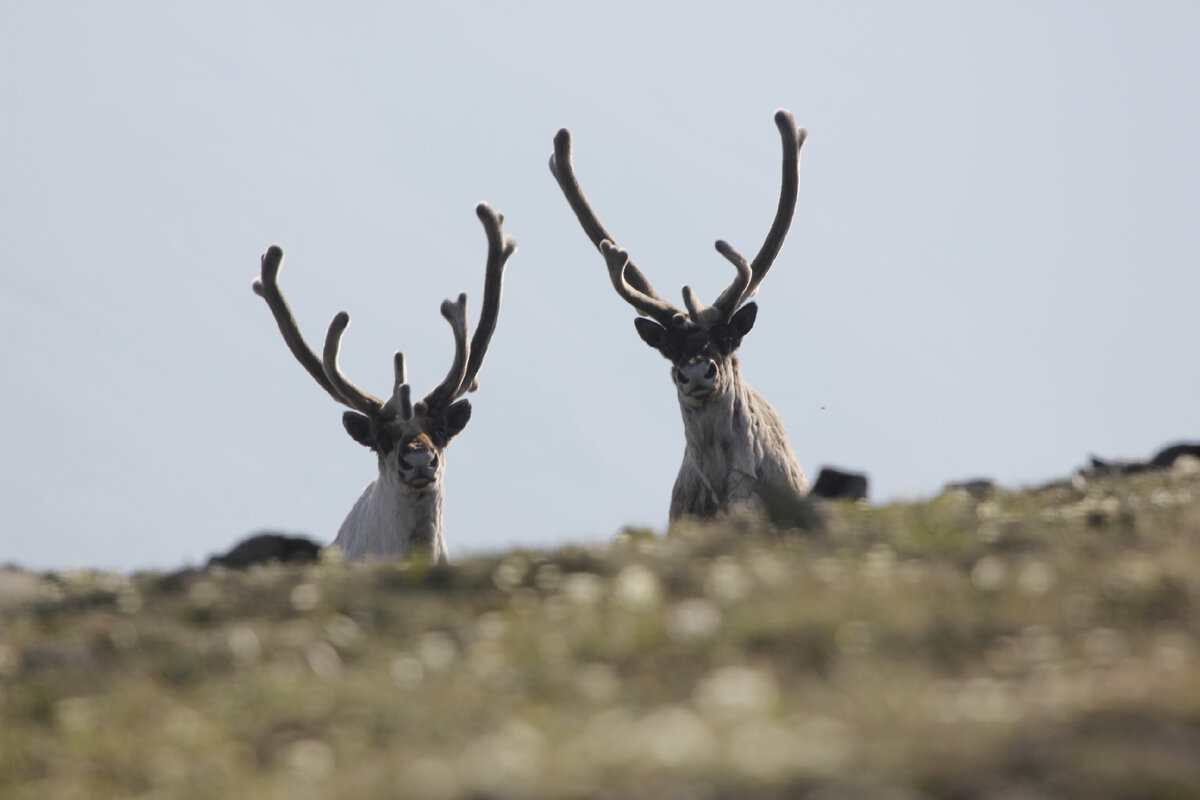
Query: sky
(993, 268)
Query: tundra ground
(1041, 643)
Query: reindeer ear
(457, 417)
(651, 332)
(742, 321)
(359, 428)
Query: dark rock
(836, 484)
(1166, 457)
(263, 548)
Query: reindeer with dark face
(400, 512)
(737, 448)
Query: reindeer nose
(423, 460)
(698, 375)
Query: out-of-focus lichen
(1035, 643)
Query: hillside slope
(1042, 643)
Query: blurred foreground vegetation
(1035, 644)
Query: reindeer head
(702, 356)
(701, 343)
(408, 438)
(410, 448)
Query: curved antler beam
(267, 287)
(500, 247)
(352, 396)
(619, 267)
(792, 139)
(564, 172)
(455, 312)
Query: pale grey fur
(391, 517)
(737, 449)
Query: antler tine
(267, 287)
(455, 312)
(654, 307)
(727, 303)
(696, 310)
(400, 403)
(500, 247)
(352, 396)
(792, 139)
(564, 172)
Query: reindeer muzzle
(697, 380)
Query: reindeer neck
(717, 419)
(386, 523)
(420, 516)
(426, 532)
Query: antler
(455, 312)
(400, 403)
(724, 306)
(500, 247)
(352, 396)
(628, 280)
(793, 139)
(751, 275)
(469, 358)
(649, 302)
(619, 267)
(328, 376)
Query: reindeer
(400, 512)
(737, 448)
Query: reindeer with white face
(400, 512)
(737, 448)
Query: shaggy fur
(392, 519)
(736, 449)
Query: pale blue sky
(993, 269)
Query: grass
(1042, 643)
